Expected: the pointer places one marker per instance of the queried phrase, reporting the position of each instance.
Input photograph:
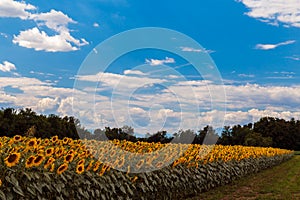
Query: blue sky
(254, 45)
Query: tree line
(267, 132)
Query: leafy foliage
(53, 172)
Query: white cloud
(40, 41)
(95, 50)
(65, 106)
(246, 75)
(273, 46)
(118, 81)
(274, 11)
(47, 103)
(134, 72)
(4, 35)
(18, 9)
(190, 49)
(155, 62)
(294, 57)
(7, 66)
(96, 25)
(168, 108)
(57, 21)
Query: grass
(279, 182)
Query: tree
(256, 139)
(184, 137)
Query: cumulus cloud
(122, 82)
(273, 46)
(274, 11)
(155, 62)
(7, 66)
(184, 104)
(18, 9)
(39, 40)
(57, 21)
(134, 72)
(250, 115)
(46, 104)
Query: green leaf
(18, 190)
(103, 197)
(123, 189)
(47, 177)
(14, 181)
(2, 195)
(27, 176)
(29, 189)
(38, 188)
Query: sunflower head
(49, 151)
(54, 139)
(49, 162)
(65, 140)
(29, 162)
(80, 169)
(32, 142)
(69, 158)
(82, 161)
(12, 159)
(17, 138)
(139, 164)
(38, 160)
(46, 141)
(62, 168)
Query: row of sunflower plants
(32, 168)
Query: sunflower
(17, 138)
(68, 158)
(46, 141)
(71, 151)
(59, 152)
(38, 141)
(65, 140)
(32, 142)
(96, 166)
(29, 162)
(54, 139)
(120, 162)
(49, 151)
(80, 169)
(38, 160)
(62, 168)
(176, 162)
(12, 159)
(139, 164)
(104, 167)
(159, 164)
(90, 165)
(49, 162)
(81, 161)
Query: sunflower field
(32, 168)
